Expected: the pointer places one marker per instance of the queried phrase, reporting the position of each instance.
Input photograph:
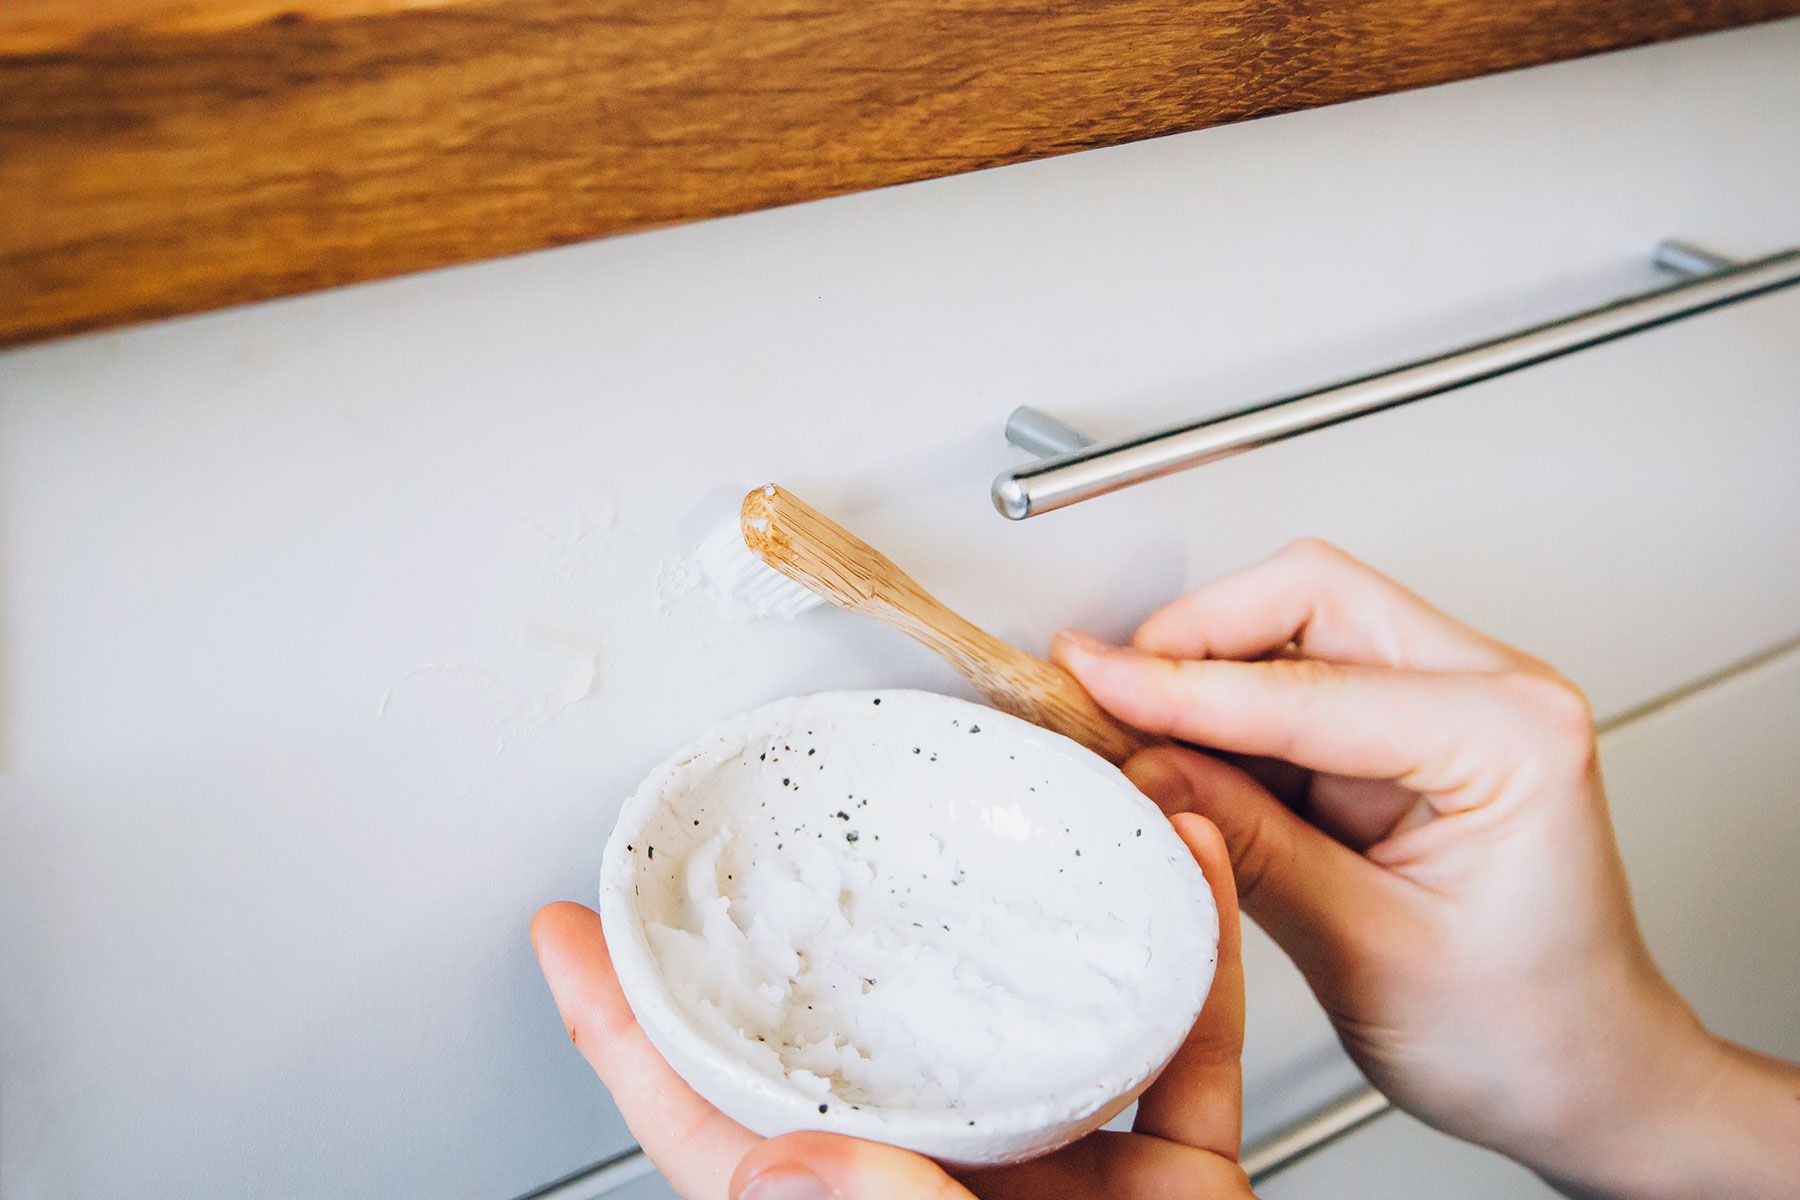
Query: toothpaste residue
(576, 548)
(517, 713)
(734, 583)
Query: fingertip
(1207, 844)
(558, 910)
(573, 956)
(1157, 773)
(551, 913)
(1119, 677)
(781, 1182)
(555, 923)
(1204, 781)
(1071, 646)
(1160, 646)
(1203, 838)
(814, 1165)
(1164, 632)
(777, 1159)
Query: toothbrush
(822, 560)
(744, 585)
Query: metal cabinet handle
(1081, 471)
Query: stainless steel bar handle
(1054, 483)
(1044, 435)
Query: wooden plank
(168, 156)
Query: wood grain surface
(169, 156)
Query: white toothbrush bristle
(745, 583)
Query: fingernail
(1164, 783)
(786, 1183)
(1086, 643)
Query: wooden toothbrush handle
(1022, 684)
(809, 547)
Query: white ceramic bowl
(909, 918)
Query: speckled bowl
(1034, 940)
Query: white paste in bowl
(907, 917)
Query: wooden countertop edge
(160, 157)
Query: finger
(1330, 604)
(1444, 734)
(1199, 1098)
(1116, 1166)
(691, 1142)
(828, 1166)
(1313, 896)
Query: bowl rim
(939, 1132)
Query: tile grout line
(1317, 1129)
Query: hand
(1184, 1140)
(1444, 874)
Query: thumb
(828, 1166)
(1313, 895)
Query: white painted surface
(1717, 896)
(264, 935)
(1395, 1157)
(651, 1187)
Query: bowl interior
(898, 903)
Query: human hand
(1184, 1140)
(1446, 876)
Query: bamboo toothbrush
(828, 561)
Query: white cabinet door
(329, 630)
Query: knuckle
(1557, 702)
(1313, 551)
(1557, 709)
(1324, 568)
